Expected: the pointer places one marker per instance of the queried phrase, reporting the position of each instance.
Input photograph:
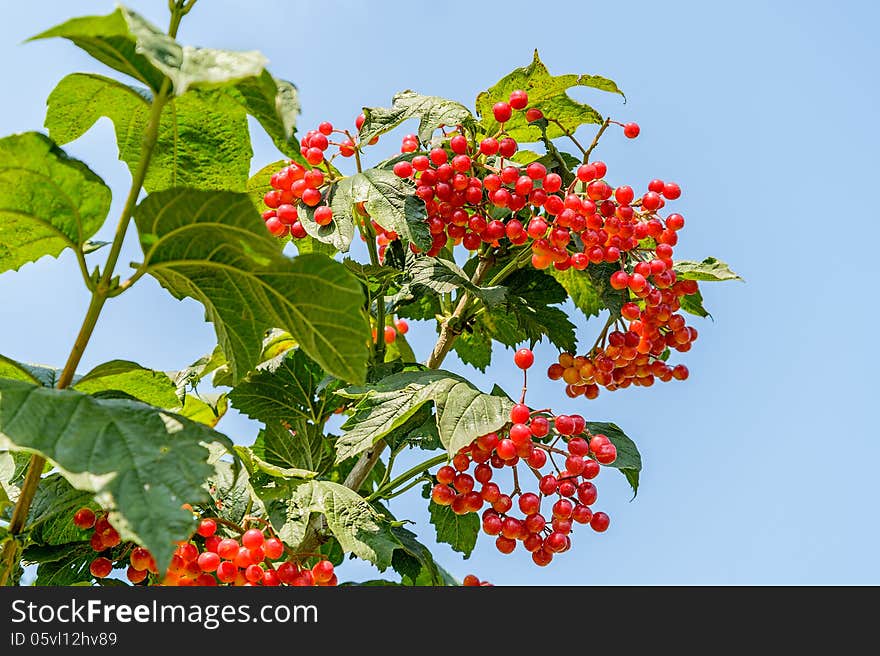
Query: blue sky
(756, 469)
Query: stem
(450, 328)
(418, 470)
(596, 140)
(571, 136)
(100, 293)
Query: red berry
(274, 548)
(325, 128)
(84, 518)
(506, 449)
(359, 121)
(507, 147)
(529, 503)
(671, 190)
(208, 561)
(520, 413)
(252, 538)
(600, 522)
(503, 544)
(519, 99)
(101, 567)
(524, 358)
(228, 548)
(226, 572)
(403, 169)
(564, 424)
(402, 326)
(207, 528)
(540, 426)
(135, 575)
(534, 114)
(445, 474)
(253, 573)
(390, 335)
(458, 144)
(631, 130)
(502, 111)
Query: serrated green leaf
(128, 43)
(50, 518)
(212, 246)
(580, 288)
(63, 565)
(458, 531)
(390, 201)
(257, 465)
(302, 446)
(443, 277)
(110, 40)
(419, 431)
(48, 201)
(141, 462)
(232, 497)
(275, 104)
(463, 413)
(693, 304)
(30, 373)
(474, 348)
(709, 270)
(205, 409)
(432, 112)
(282, 389)
(547, 93)
(528, 314)
(629, 460)
(192, 375)
(151, 387)
(358, 527)
(203, 139)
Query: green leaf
(50, 518)
(458, 531)
(528, 313)
(710, 270)
(360, 529)
(275, 104)
(213, 247)
(580, 288)
(391, 202)
(203, 140)
(256, 465)
(111, 40)
(693, 304)
(282, 389)
(629, 461)
(443, 277)
(463, 413)
(48, 201)
(231, 492)
(151, 387)
(128, 43)
(302, 446)
(474, 348)
(547, 93)
(432, 112)
(600, 277)
(30, 373)
(190, 377)
(140, 462)
(340, 231)
(206, 409)
(63, 565)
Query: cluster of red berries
(471, 580)
(400, 327)
(467, 186)
(206, 560)
(531, 438)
